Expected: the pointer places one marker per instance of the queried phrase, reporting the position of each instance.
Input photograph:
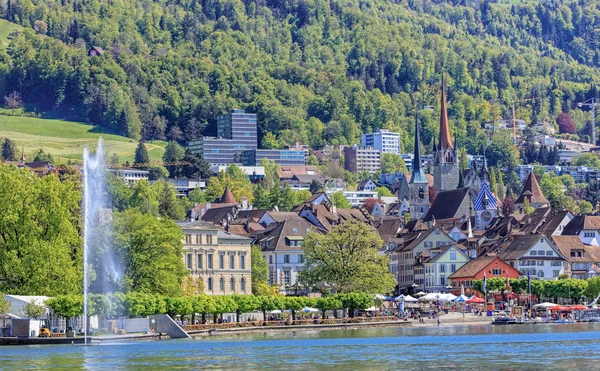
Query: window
(443, 281)
(452, 268)
(549, 253)
(541, 252)
(232, 284)
(270, 259)
(555, 273)
(188, 261)
(198, 239)
(188, 238)
(294, 230)
(221, 284)
(540, 263)
(455, 236)
(286, 276)
(533, 253)
(286, 259)
(540, 273)
(243, 284)
(209, 238)
(300, 258)
(221, 261)
(231, 261)
(210, 284)
(497, 271)
(452, 254)
(199, 261)
(427, 244)
(437, 231)
(210, 261)
(589, 234)
(242, 261)
(442, 268)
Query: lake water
(524, 347)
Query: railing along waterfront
(286, 322)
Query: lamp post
(592, 102)
(414, 287)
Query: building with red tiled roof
(533, 193)
(582, 260)
(492, 266)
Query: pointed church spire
(445, 139)
(418, 176)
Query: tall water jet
(97, 246)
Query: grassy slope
(5, 29)
(66, 139)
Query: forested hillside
(320, 71)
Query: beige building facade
(220, 259)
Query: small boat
(564, 321)
(503, 320)
(88, 344)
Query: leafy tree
(34, 310)
(40, 223)
(260, 269)
(328, 303)
(197, 195)
(4, 304)
(41, 156)
(244, 304)
(383, 192)
(192, 167)
(234, 178)
(585, 207)
(355, 301)
(565, 124)
(149, 269)
(9, 150)
(168, 203)
(141, 154)
(340, 201)
(12, 101)
(144, 198)
(191, 286)
(508, 205)
(347, 258)
(392, 163)
(66, 306)
(588, 159)
(312, 160)
(315, 186)
(527, 208)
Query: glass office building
(280, 156)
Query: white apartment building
(383, 140)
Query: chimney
(276, 208)
(333, 209)
(244, 203)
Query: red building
(492, 266)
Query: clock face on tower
(486, 216)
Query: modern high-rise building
(359, 159)
(236, 132)
(384, 141)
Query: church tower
(445, 169)
(485, 205)
(419, 187)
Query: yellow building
(219, 258)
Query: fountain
(97, 247)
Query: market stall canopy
(309, 310)
(420, 293)
(545, 305)
(409, 298)
(559, 308)
(475, 299)
(578, 307)
(462, 298)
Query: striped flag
(528, 282)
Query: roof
(447, 204)
(531, 185)
(227, 197)
(445, 140)
(533, 222)
(413, 226)
(254, 215)
(474, 266)
(413, 240)
(388, 227)
(363, 183)
(27, 298)
(581, 222)
(225, 236)
(218, 214)
(97, 49)
(199, 225)
(274, 239)
(288, 171)
(567, 243)
(485, 199)
(519, 246)
(552, 225)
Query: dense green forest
(318, 71)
